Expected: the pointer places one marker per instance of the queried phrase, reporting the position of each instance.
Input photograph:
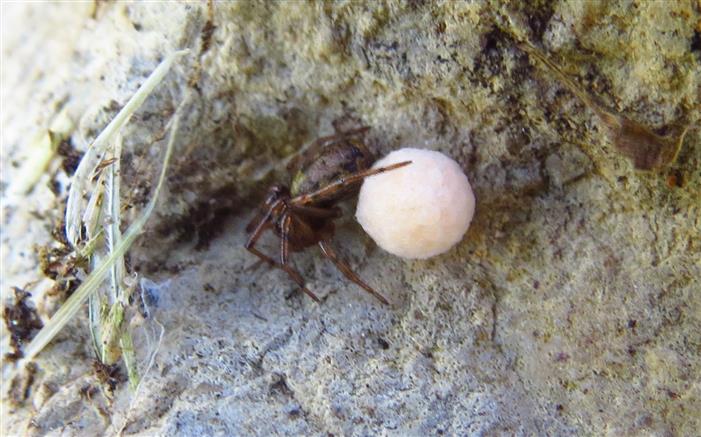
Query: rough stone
(571, 307)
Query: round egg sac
(420, 210)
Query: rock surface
(572, 306)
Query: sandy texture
(571, 307)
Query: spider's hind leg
(286, 268)
(328, 251)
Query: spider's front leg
(284, 257)
(251, 247)
(333, 187)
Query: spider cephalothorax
(330, 171)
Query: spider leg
(350, 274)
(260, 226)
(284, 257)
(251, 243)
(291, 272)
(285, 239)
(261, 219)
(316, 212)
(304, 199)
(254, 222)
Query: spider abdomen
(332, 163)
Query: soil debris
(22, 321)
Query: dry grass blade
(94, 280)
(113, 221)
(90, 159)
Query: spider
(303, 215)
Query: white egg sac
(419, 210)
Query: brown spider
(303, 216)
